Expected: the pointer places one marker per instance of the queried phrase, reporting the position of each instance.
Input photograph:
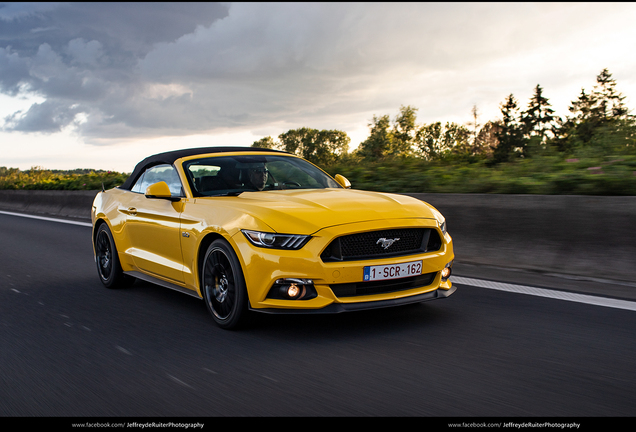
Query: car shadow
(378, 321)
(353, 324)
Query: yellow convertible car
(249, 229)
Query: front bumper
(334, 308)
(263, 267)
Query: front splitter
(351, 307)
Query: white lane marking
(177, 380)
(124, 350)
(88, 224)
(542, 292)
(271, 379)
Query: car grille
(382, 287)
(371, 245)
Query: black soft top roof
(171, 156)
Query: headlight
(442, 226)
(276, 241)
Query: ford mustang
(247, 229)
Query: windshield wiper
(233, 193)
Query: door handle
(132, 211)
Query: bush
(38, 178)
(551, 174)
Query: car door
(153, 226)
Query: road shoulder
(580, 284)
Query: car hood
(308, 211)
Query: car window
(137, 186)
(285, 173)
(219, 175)
(158, 173)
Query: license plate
(392, 271)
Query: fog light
(446, 272)
(293, 289)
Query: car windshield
(232, 175)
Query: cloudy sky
(102, 85)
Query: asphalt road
(69, 347)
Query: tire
(223, 285)
(107, 259)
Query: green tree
(404, 132)
(600, 112)
(457, 139)
(510, 134)
(430, 141)
(386, 139)
(609, 103)
(435, 141)
(331, 147)
(266, 142)
(539, 117)
(379, 143)
(576, 128)
(537, 121)
(322, 147)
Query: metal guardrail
(60, 203)
(592, 236)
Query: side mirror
(342, 181)
(160, 190)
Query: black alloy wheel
(108, 266)
(223, 285)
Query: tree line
(598, 122)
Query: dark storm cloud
(128, 28)
(48, 116)
(85, 53)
